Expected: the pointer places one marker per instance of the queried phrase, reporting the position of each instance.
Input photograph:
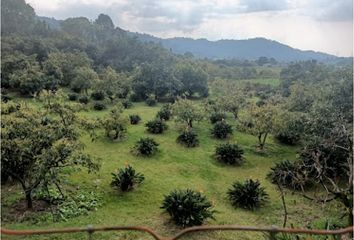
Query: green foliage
(165, 112)
(217, 116)
(151, 100)
(114, 124)
(248, 195)
(114, 85)
(38, 146)
(193, 79)
(259, 121)
(80, 203)
(83, 99)
(126, 178)
(288, 127)
(156, 126)
(155, 79)
(145, 146)
(289, 174)
(18, 16)
(73, 96)
(187, 112)
(221, 130)
(134, 119)
(99, 106)
(187, 207)
(97, 95)
(83, 80)
(188, 138)
(229, 153)
(127, 103)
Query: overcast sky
(320, 25)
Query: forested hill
(248, 49)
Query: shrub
(188, 138)
(127, 103)
(165, 112)
(99, 106)
(135, 98)
(187, 207)
(97, 95)
(126, 178)
(72, 96)
(134, 119)
(145, 147)
(217, 116)
(221, 130)
(151, 101)
(289, 174)
(229, 153)
(249, 194)
(83, 99)
(156, 126)
(80, 203)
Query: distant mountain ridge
(248, 49)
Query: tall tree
(37, 148)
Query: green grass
(175, 166)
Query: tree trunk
(190, 124)
(29, 199)
(264, 139)
(235, 115)
(260, 141)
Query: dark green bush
(134, 98)
(73, 96)
(99, 106)
(83, 99)
(249, 194)
(156, 126)
(221, 130)
(134, 119)
(289, 174)
(217, 116)
(164, 113)
(126, 178)
(127, 103)
(187, 207)
(188, 138)
(229, 153)
(97, 95)
(151, 101)
(145, 147)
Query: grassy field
(175, 166)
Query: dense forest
(66, 88)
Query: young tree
(115, 124)
(187, 111)
(37, 148)
(258, 120)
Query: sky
(320, 25)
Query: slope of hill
(249, 49)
